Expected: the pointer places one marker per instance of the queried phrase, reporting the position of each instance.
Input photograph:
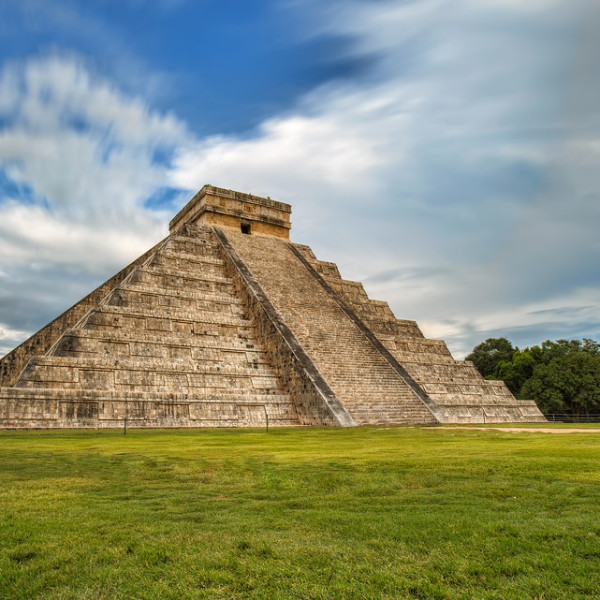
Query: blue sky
(445, 153)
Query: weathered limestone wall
(55, 409)
(39, 343)
(170, 346)
(457, 388)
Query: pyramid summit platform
(226, 323)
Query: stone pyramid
(227, 323)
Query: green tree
(548, 350)
(561, 376)
(487, 355)
(568, 383)
(517, 371)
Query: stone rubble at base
(225, 323)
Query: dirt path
(528, 429)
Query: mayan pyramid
(227, 323)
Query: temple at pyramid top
(235, 210)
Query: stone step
(458, 382)
(507, 413)
(181, 265)
(327, 270)
(167, 296)
(399, 409)
(432, 379)
(203, 242)
(35, 407)
(242, 397)
(422, 358)
(373, 310)
(392, 327)
(456, 372)
(352, 291)
(147, 374)
(444, 400)
(158, 420)
(375, 412)
(407, 328)
(161, 277)
(148, 297)
(108, 317)
(137, 337)
(189, 269)
(153, 364)
(173, 256)
(307, 252)
(375, 417)
(175, 313)
(417, 346)
(457, 388)
(76, 345)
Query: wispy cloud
(455, 161)
(79, 159)
(457, 177)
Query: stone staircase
(456, 387)
(169, 346)
(363, 381)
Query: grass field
(299, 513)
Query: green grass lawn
(299, 513)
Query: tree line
(562, 376)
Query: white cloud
(335, 146)
(441, 179)
(9, 337)
(450, 162)
(81, 145)
(33, 235)
(80, 156)
(574, 307)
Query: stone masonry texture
(225, 323)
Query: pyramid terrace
(226, 323)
